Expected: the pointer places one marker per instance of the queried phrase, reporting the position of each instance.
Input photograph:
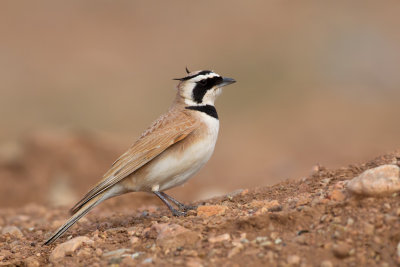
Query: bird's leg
(175, 212)
(180, 205)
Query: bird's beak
(226, 81)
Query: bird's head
(201, 87)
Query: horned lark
(168, 153)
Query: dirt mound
(307, 222)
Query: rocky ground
(322, 220)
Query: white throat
(208, 99)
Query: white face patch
(211, 95)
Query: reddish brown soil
(311, 222)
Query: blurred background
(318, 83)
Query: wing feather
(169, 129)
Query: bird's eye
(203, 82)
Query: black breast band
(208, 109)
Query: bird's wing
(169, 129)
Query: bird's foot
(187, 207)
(178, 213)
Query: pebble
(148, 260)
(133, 240)
(293, 260)
(265, 205)
(212, 210)
(193, 262)
(220, 238)
(266, 244)
(369, 229)
(85, 252)
(68, 247)
(116, 253)
(341, 250)
(398, 250)
(99, 251)
(32, 262)
(301, 239)
(350, 221)
(235, 193)
(337, 195)
(235, 251)
(12, 230)
(136, 254)
(260, 239)
(172, 236)
(326, 264)
(382, 180)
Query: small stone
(220, 238)
(172, 236)
(303, 199)
(337, 220)
(126, 261)
(244, 192)
(234, 194)
(190, 253)
(266, 244)
(326, 264)
(293, 260)
(32, 262)
(259, 239)
(147, 261)
(341, 250)
(235, 250)
(12, 230)
(325, 181)
(68, 247)
(274, 235)
(301, 239)
(398, 249)
(133, 240)
(212, 210)
(389, 219)
(323, 218)
(99, 251)
(85, 253)
(266, 206)
(386, 206)
(350, 221)
(369, 229)
(115, 261)
(117, 252)
(337, 195)
(164, 219)
(278, 241)
(194, 262)
(136, 254)
(379, 181)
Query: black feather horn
(187, 71)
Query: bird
(168, 153)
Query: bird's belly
(176, 164)
(176, 167)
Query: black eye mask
(203, 86)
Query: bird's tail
(85, 208)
